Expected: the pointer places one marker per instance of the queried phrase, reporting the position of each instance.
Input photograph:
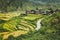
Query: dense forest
(13, 5)
(29, 19)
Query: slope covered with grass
(49, 30)
(19, 24)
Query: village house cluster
(42, 11)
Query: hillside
(30, 20)
(23, 27)
(49, 30)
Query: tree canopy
(5, 5)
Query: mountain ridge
(46, 1)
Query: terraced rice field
(9, 15)
(20, 25)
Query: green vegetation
(26, 21)
(15, 25)
(49, 30)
